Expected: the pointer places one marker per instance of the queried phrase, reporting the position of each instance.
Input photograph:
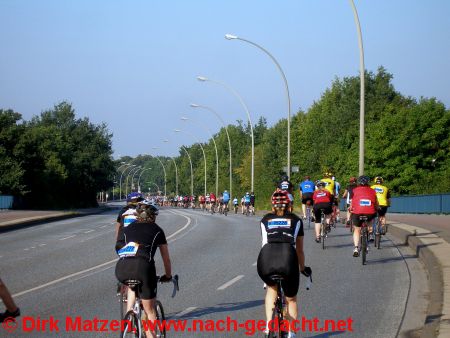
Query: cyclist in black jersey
(282, 254)
(132, 200)
(136, 246)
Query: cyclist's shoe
(8, 314)
(347, 224)
(355, 252)
(318, 239)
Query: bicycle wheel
(378, 234)
(225, 211)
(122, 299)
(363, 244)
(161, 318)
(277, 315)
(131, 326)
(308, 217)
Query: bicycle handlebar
(174, 280)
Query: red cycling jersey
(212, 197)
(364, 200)
(321, 196)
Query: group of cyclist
(361, 199)
(281, 254)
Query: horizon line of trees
(55, 160)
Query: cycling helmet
(284, 178)
(352, 179)
(327, 174)
(363, 180)
(134, 197)
(307, 178)
(378, 180)
(280, 198)
(320, 184)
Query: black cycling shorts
(279, 259)
(326, 209)
(139, 269)
(357, 223)
(307, 197)
(382, 211)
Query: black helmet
(284, 178)
(363, 180)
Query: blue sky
(133, 64)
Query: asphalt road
(66, 269)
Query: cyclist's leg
(149, 308)
(317, 215)
(304, 209)
(357, 230)
(271, 297)
(131, 298)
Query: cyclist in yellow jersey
(329, 183)
(383, 197)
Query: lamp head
(230, 37)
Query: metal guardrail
(6, 201)
(417, 204)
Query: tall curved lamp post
(201, 147)
(132, 178)
(123, 164)
(132, 171)
(120, 181)
(139, 179)
(241, 101)
(215, 148)
(176, 171)
(192, 171)
(165, 175)
(194, 105)
(361, 89)
(234, 37)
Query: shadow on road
(222, 307)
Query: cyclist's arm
(164, 250)
(120, 242)
(300, 253)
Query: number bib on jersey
(279, 223)
(129, 250)
(379, 190)
(365, 203)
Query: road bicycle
(308, 213)
(132, 320)
(280, 308)
(364, 238)
(379, 231)
(324, 228)
(247, 209)
(236, 207)
(225, 209)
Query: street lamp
(120, 181)
(234, 37)
(236, 94)
(115, 177)
(201, 147)
(193, 105)
(215, 148)
(361, 90)
(165, 176)
(176, 171)
(192, 172)
(139, 179)
(137, 168)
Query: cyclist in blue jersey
(225, 199)
(306, 189)
(337, 189)
(246, 201)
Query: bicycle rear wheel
(131, 326)
(363, 240)
(160, 333)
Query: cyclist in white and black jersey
(136, 246)
(282, 254)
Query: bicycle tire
(161, 318)
(363, 240)
(132, 326)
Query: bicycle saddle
(132, 282)
(277, 278)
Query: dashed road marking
(186, 311)
(254, 264)
(86, 232)
(231, 282)
(62, 239)
(43, 244)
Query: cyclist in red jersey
(364, 202)
(322, 200)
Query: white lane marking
(26, 249)
(86, 232)
(254, 264)
(86, 270)
(42, 244)
(185, 226)
(231, 282)
(33, 247)
(62, 239)
(104, 226)
(63, 278)
(185, 312)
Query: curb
(434, 253)
(30, 221)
